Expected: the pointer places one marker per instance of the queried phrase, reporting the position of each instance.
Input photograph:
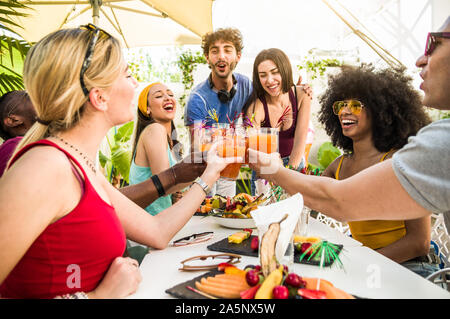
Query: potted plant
(116, 159)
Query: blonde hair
(52, 78)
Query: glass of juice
(204, 139)
(263, 139)
(220, 129)
(231, 145)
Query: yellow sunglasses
(354, 106)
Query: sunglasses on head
(354, 106)
(431, 41)
(90, 52)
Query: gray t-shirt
(423, 168)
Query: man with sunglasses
(414, 184)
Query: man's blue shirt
(203, 100)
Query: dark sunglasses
(90, 52)
(354, 106)
(431, 41)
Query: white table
(366, 273)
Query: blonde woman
(68, 236)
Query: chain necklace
(89, 162)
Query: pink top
(6, 151)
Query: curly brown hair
(226, 34)
(393, 105)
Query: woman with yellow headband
(155, 145)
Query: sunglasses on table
(354, 106)
(193, 239)
(207, 262)
(96, 33)
(432, 42)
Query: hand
(191, 167)
(176, 197)
(264, 164)
(305, 87)
(122, 279)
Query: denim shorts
(423, 269)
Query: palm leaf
(8, 10)
(12, 50)
(10, 82)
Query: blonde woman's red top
(72, 254)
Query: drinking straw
(212, 114)
(282, 117)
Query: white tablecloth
(366, 273)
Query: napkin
(266, 215)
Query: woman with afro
(370, 114)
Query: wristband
(203, 185)
(158, 185)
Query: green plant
(116, 164)
(326, 154)
(317, 67)
(13, 49)
(444, 115)
(144, 69)
(187, 62)
(244, 180)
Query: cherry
(252, 277)
(280, 292)
(294, 280)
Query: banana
(267, 249)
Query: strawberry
(250, 293)
(311, 294)
(255, 243)
(306, 247)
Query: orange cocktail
(263, 139)
(231, 146)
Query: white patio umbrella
(135, 22)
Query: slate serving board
(245, 249)
(180, 291)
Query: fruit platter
(231, 282)
(306, 249)
(232, 212)
(269, 280)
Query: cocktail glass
(231, 145)
(263, 139)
